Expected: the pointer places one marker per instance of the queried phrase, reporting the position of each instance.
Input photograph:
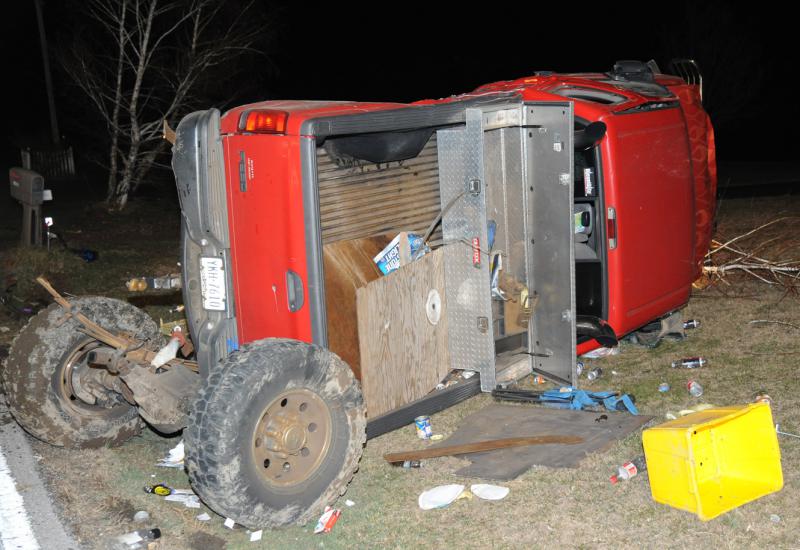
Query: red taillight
(264, 122)
(611, 228)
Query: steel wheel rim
(292, 437)
(64, 384)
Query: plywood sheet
(599, 430)
(403, 355)
(348, 266)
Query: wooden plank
(348, 266)
(481, 446)
(403, 355)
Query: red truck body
(659, 176)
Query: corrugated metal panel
(373, 199)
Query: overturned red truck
(556, 213)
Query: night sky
(417, 51)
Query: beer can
(423, 426)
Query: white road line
(15, 528)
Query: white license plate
(212, 283)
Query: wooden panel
(403, 355)
(371, 199)
(348, 266)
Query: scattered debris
(694, 388)
(579, 368)
(629, 469)
(229, 523)
(4, 329)
(762, 397)
(594, 374)
(141, 516)
(158, 489)
(440, 496)
(185, 496)
(138, 539)
(663, 387)
(774, 518)
(689, 363)
(423, 426)
(489, 492)
(691, 323)
(408, 464)
(777, 429)
(327, 520)
(175, 457)
(568, 397)
(167, 282)
(255, 536)
(601, 352)
(349, 503)
(436, 437)
(203, 517)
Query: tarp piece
(599, 430)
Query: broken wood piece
(134, 349)
(481, 446)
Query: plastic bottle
(690, 363)
(595, 373)
(691, 323)
(579, 367)
(408, 464)
(630, 469)
(694, 388)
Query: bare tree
(150, 62)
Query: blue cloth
(575, 399)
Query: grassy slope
(101, 489)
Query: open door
(507, 185)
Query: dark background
(404, 52)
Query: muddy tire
(275, 434)
(37, 376)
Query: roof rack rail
(688, 70)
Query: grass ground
(101, 489)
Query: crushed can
(423, 426)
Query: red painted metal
(659, 174)
(267, 235)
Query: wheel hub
(292, 437)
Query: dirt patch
(203, 541)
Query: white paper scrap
(349, 502)
(229, 523)
(440, 496)
(203, 517)
(489, 492)
(255, 536)
(175, 457)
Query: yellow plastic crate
(715, 460)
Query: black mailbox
(27, 186)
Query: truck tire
(275, 433)
(39, 375)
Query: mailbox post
(27, 187)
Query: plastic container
(690, 363)
(694, 388)
(594, 374)
(713, 461)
